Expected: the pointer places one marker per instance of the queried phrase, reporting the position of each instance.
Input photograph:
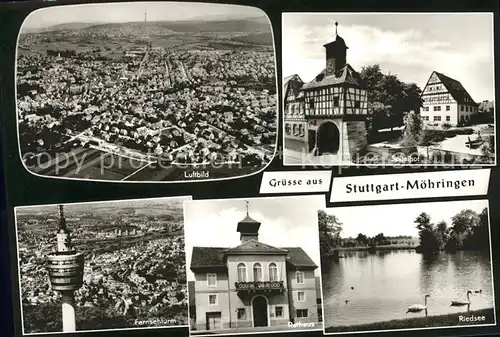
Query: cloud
(409, 53)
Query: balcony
(267, 286)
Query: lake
(386, 283)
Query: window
(357, 104)
(301, 130)
(426, 108)
(257, 272)
(447, 108)
(287, 128)
(426, 118)
(311, 103)
(212, 279)
(437, 118)
(448, 118)
(302, 313)
(212, 299)
(437, 108)
(335, 102)
(301, 296)
(300, 277)
(294, 130)
(242, 272)
(241, 313)
(273, 272)
(461, 108)
(278, 311)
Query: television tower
(65, 268)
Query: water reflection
(368, 287)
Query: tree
(413, 129)
(388, 98)
(429, 242)
(362, 239)
(329, 233)
(465, 221)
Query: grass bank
(420, 322)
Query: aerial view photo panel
(388, 89)
(146, 92)
(95, 266)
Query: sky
(285, 222)
(134, 11)
(394, 220)
(460, 45)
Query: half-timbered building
(445, 101)
(335, 107)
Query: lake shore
(386, 247)
(449, 320)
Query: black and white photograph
(146, 91)
(380, 89)
(254, 268)
(102, 265)
(406, 266)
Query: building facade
(445, 101)
(332, 107)
(252, 285)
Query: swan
(462, 302)
(418, 307)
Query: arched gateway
(328, 138)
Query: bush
(445, 126)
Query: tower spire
(246, 202)
(336, 25)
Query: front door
(214, 320)
(259, 308)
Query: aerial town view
(128, 265)
(136, 93)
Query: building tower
(335, 108)
(65, 268)
(336, 52)
(248, 228)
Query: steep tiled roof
(346, 75)
(286, 84)
(297, 258)
(207, 257)
(204, 257)
(455, 88)
(255, 247)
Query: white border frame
(458, 326)
(18, 266)
(343, 164)
(234, 331)
(278, 100)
